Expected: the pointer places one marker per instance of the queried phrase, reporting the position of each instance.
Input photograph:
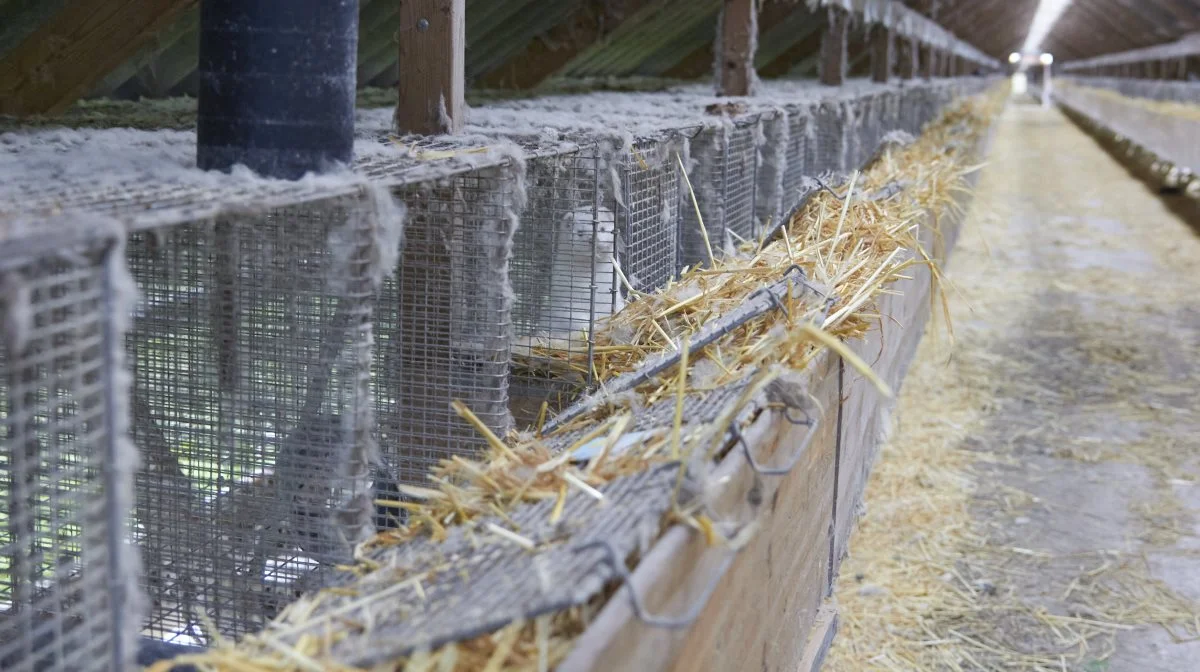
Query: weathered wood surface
(820, 639)
(433, 42)
(835, 57)
(738, 41)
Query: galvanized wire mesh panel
(593, 215)
(444, 323)
(1153, 89)
(725, 180)
(649, 217)
(799, 157)
(67, 581)
(914, 109)
(563, 276)
(250, 408)
(770, 200)
(830, 129)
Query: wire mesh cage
(68, 592)
(916, 108)
(1152, 89)
(829, 137)
(600, 221)
(251, 408)
(445, 322)
(724, 181)
(800, 155)
(771, 202)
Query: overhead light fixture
(1047, 59)
(1014, 58)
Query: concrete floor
(1037, 505)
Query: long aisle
(1036, 507)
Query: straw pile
(853, 244)
(1075, 364)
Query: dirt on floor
(1037, 506)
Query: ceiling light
(1014, 58)
(1047, 59)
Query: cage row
(251, 415)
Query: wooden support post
(909, 57)
(882, 53)
(736, 45)
(929, 66)
(834, 56)
(432, 87)
(70, 53)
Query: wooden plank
(432, 66)
(738, 41)
(834, 57)
(773, 588)
(69, 54)
(882, 54)
(820, 639)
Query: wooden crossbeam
(432, 66)
(69, 54)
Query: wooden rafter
(71, 52)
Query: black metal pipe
(151, 651)
(277, 81)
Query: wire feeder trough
(505, 558)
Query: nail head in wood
(432, 67)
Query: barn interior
(599, 335)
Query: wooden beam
(432, 66)
(834, 56)
(69, 54)
(909, 56)
(882, 54)
(738, 41)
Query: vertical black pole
(277, 80)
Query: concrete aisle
(1037, 505)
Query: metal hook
(806, 422)
(796, 267)
(773, 298)
(775, 471)
(614, 561)
(826, 187)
